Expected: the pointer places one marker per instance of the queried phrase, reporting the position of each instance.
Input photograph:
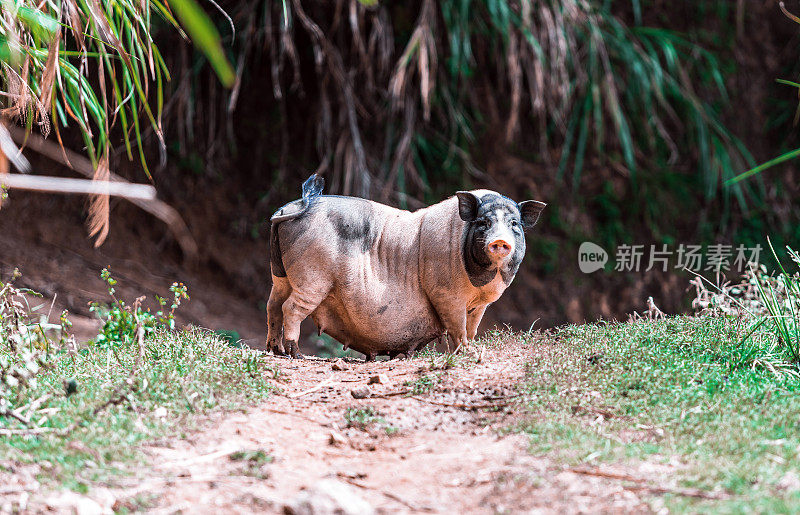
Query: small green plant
(258, 456)
(424, 384)
(445, 360)
(253, 462)
(361, 417)
(781, 300)
(122, 323)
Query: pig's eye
(482, 223)
(514, 223)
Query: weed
(253, 462)
(367, 416)
(424, 384)
(781, 300)
(770, 304)
(441, 360)
(233, 338)
(361, 417)
(259, 456)
(122, 323)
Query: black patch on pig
(276, 263)
(352, 221)
(478, 266)
(508, 272)
(382, 309)
(477, 263)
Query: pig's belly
(392, 324)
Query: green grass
(365, 417)
(361, 417)
(682, 390)
(253, 463)
(424, 384)
(182, 374)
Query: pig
(382, 280)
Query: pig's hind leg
(295, 309)
(281, 289)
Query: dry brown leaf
(48, 79)
(99, 207)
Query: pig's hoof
(276, 348)
(294, 349)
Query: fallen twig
(391, 394)
(5, 412)
(205, 457)
(321, 385)
(596, 411)
(464, 405)
(686, 492)
(410, 505)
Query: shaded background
(625, 116)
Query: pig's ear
(530, 211)
(467, 205)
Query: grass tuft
(682, 392)
(76, 415)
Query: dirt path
(440, 451)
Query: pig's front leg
(474, 317)
(454, 319)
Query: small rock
(339, 364)
(378, 379)
(361, 393)
(336, 438)
(160, 412)
(329, 497)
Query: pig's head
(494, 233)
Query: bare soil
(447, 451)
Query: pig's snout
(499, 248)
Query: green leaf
(769, 164)
(203, 34)
(37, 21)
